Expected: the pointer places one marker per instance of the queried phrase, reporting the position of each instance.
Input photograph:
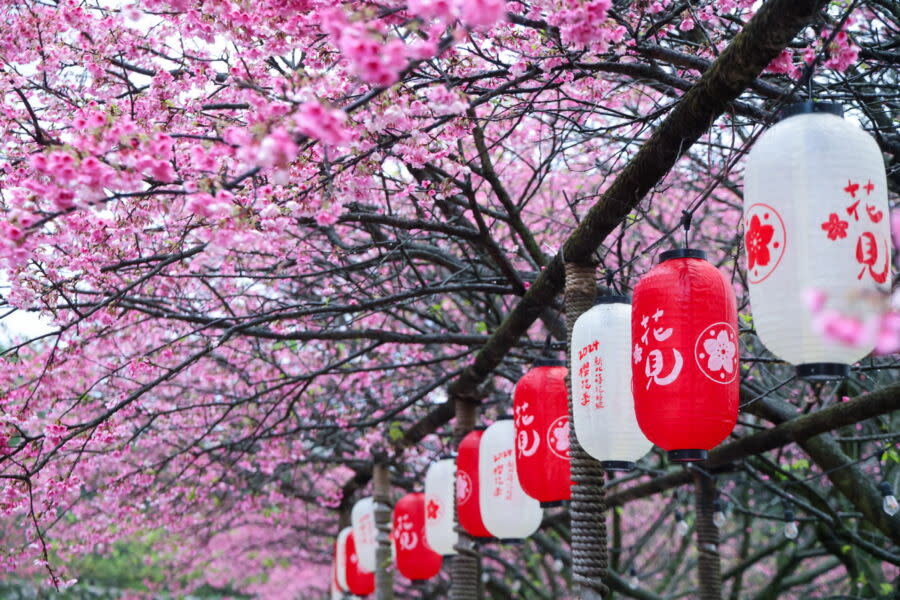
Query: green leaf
(395, 431)
(481, 327)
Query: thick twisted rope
(465, 576)
(588, 505)
(381, 493)
(709, 566)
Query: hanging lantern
(468, 502)
(507, 511)
(541, 421)
(359, 583)
(685, 355)
(439, 526)
(602, 401)
(816, 222)
(415, 558)
(340, 559)
(362, 519)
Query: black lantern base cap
(682, 253)
(511, 541)
(687, 455)
(553, 504)
(612, 299)
(823, 371)
(617, 465)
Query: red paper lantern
(541, 417)
(685, 355)
(359, 583)
(415, 558)
(468, 505)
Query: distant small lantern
(340, 560)
(541, 421)
(362, 519)
(468, 502)
(508, 512)
(602, 400)
(416, 560)
(440, 528)
(816, 222)
(359, 583)
(685, 355)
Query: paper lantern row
(665, 369)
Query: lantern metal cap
(612, 299)
(479, 428)
(446, 456)
(549, 361)
(511, 541)
(504, 417)
(553, 504)
(809, 107)
(687, 455)
(682, 253)
(823, 371)
(617, 465)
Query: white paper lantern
(508, 513)
(340, 559)
(362, 519)
(816, 220)
(440, 528)
(602, 402)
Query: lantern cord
(806, 79)
(686, 217)
(609, 280)
(588, 505)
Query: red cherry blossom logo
(463, 487)
(835, 227)
(558, 437)
(716, 352)
(765, 240)
(433, 509)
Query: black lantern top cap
(682, 253)
(612, 299)
(809, 107)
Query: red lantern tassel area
(685, 355)
(468, 505)
(415, 558)
(541, 417)
(359, 582)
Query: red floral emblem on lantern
(835, 227)
(765, 240)
(463, 487)
(716, 352)
(433, 509)
(558, 437)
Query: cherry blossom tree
(272, 237)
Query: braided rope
(465, 567)
(381, 493)
(588, 505)
(709, 567)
